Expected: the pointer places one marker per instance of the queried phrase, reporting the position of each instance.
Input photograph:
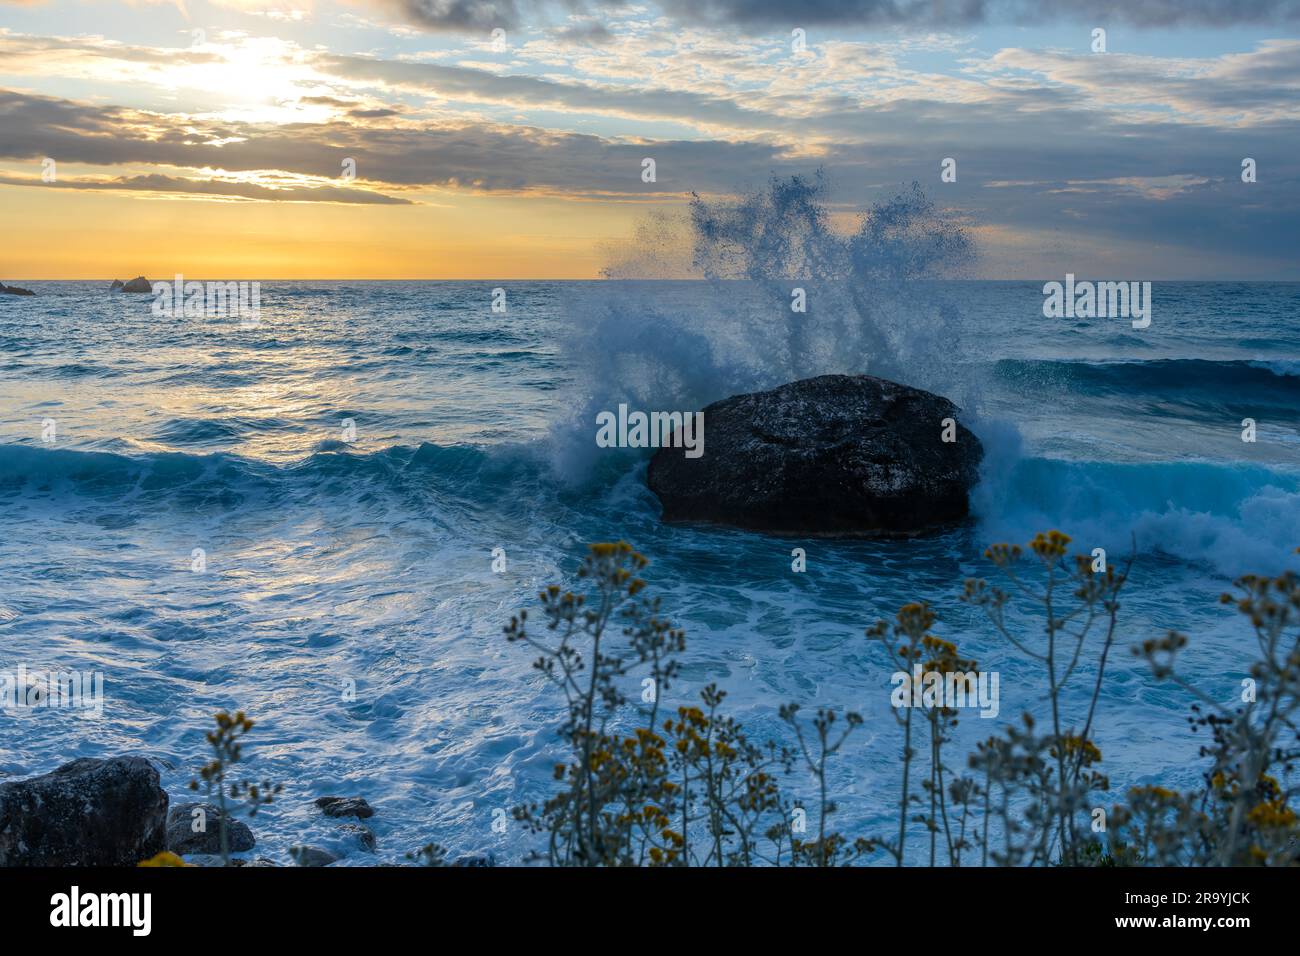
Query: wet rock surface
(836, 455)
(90, 812)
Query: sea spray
(1234, 519)
(778, 287)
(638, 429)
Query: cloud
(591, 31)
(218, 188)
(460, 15)
(468, 84)
(483, 15)
(457, 155)
(714, 87)
(966, 13)
(1241, 89)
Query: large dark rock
(837, 455)
(89, 812)
(14, 290)
(138, 284)
(182, 838)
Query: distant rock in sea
(834, 456)
(116, 286)
(14, 290)
(89, 812)
(138, 284)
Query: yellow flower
(165, 858)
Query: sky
(507, 139)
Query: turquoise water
(331, 560)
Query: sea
(325, 518)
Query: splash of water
(725, 323)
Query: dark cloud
(157, 183)
(483, 15)
(481, 156)
(592, 32)
(327, 101)
(457, 82)
(461, 15)
(965, 13)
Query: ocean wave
(1285, 367)
(1233, 518)
(29, 468)
(1280, 377)
(465, 471)
(204, 431)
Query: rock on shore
(89, 812)
(304, 855)
(836, 455)
(183, 839)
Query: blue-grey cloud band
(479, 15)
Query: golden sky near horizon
(103, 235)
